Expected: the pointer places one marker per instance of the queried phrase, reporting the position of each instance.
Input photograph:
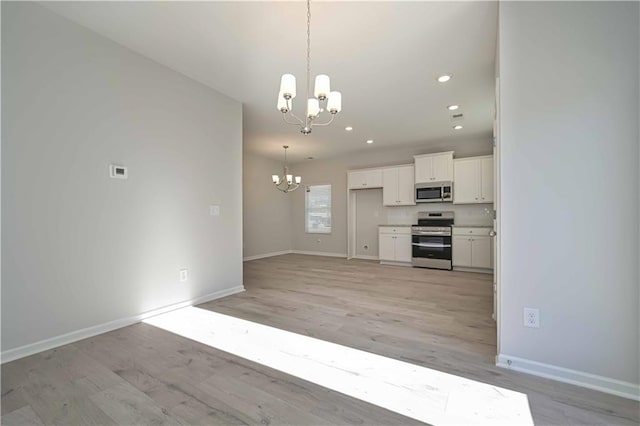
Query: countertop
(471, 226)
(397, 226)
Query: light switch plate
(214, 210)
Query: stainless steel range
(431, 240)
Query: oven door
(431, 247)
(428, 194)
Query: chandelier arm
(284, 118)
(327, 123)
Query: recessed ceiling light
(453, 107)
(444, 78)
(457, 127)
(348, 128)
(370, 141)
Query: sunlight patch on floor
(420, 393)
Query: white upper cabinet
(486, 180)
(434, 167)
(364, 179)
(398, 186)
(473, 180)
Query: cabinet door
(357, 180)
(403, 248)
(363, 179)
(486, 180)
(481, 252)
(424, 170)
(373, 178)
(461, 251)
(465, 182)
(406, 186)
(390, 187)
(386, 247)
(442, 167)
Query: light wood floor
(144, 375)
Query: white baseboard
(574, 377)
(476, 270)
(74, 336)
(262, 256)
(365, 257)
(392, 263)
(320, 253)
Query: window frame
(306, 209)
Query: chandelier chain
(308, 57)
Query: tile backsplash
(465, 214)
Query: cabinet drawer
(402, 230)
(471, 231)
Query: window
(317, 212)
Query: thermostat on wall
(117, 172)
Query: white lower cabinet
(472, 248)
(394, 244)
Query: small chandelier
(285, 183)
(323, 100)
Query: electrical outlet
(184, 275)
(532, 317)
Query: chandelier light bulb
(322, 88)
(275, 178)
(298, 180)
(289, 179)
(288, 86)
(334, 104)
(313, 108)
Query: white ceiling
(383, 56)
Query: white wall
(81, 249)
(266, 211)
(334, 171)
(570, 184)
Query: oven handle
(431, 245)
(431, 233)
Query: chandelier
(285, 183)
(323, 98)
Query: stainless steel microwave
(434, 192)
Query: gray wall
(81, 249)
(569, 136)
(266, 211)
(334, 172)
